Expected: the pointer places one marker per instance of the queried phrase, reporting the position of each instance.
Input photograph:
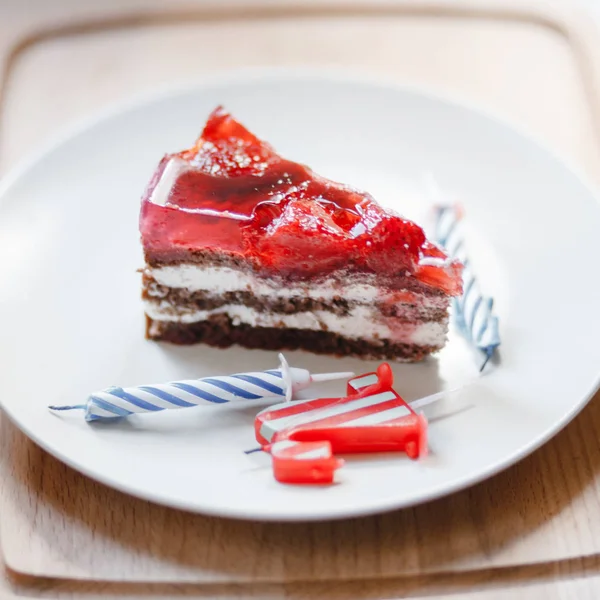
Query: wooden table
(65, 60)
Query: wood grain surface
(521, 70)
(577, 579)
(57, 523)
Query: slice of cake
(245, 247)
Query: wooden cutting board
(569, 580)
(536, 72)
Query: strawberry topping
(232, 192)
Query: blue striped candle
(116, 402)
(472, 312)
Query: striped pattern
(116, 402)
(304, 462)
(288, 449)
(473, 312)
(384, 406)
(363, 381)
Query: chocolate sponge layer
(205, 300)
(219, 331)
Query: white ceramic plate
(71, 318)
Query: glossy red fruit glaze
(304, 235)
(447, 277)
(233, 193)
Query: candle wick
(73, 407)
(488, 353)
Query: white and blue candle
(117, 402)
(472, 312)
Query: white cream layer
(361, 322)
(220, 280)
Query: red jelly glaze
(279, 214)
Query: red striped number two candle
(303, 437)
